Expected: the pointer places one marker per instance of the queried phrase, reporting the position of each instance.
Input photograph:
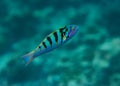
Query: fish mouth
(73, 30)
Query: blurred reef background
(91, 58)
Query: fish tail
(28, 58)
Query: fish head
(72, 30)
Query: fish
(52, 41)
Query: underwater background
(91, 58)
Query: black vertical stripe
(49, 40)
(66, 30)
(62, 33)
(44, 44)
(56, 37)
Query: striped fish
(52, 41)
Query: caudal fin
(28, 58)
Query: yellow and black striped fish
(52, 41)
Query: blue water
(91, 58)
